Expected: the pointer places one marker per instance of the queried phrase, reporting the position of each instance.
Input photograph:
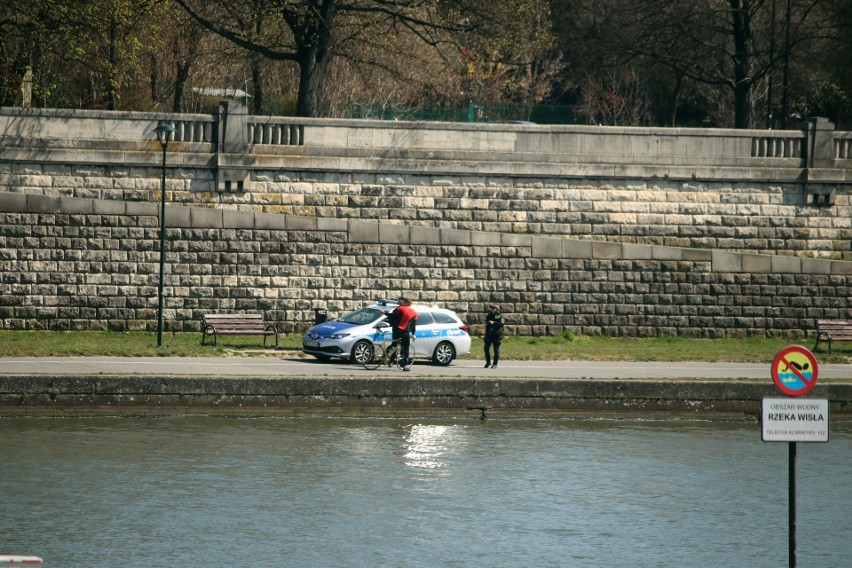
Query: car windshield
(362, 316)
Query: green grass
(599, 348)
(564, 347)
(130, 344)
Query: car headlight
(338, 336)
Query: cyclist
(403, 321)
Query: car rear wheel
(362, 352)
(444, 354)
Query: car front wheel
(362, 352)
(444, 354)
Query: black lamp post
(164, 131)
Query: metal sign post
(791, 498)
(794, 371)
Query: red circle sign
(794, 370)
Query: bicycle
(387, 352)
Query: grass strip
(563, 347)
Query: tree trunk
(312, 57)
(675, 99)
(258, 103)
(181, 78)
(742, 63)
(155, 78)
(113, 66)
(311, 83)
(184, 67)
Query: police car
(440, 335)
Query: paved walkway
(309, 367)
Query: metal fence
(472, 112)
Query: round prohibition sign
(794, 370)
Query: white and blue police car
(440, 334)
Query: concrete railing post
(820, 169)
(819, 149)
(231, 145)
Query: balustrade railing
(843, 146)
(276, 133)
(191, 130)
(780, 145)
(717, 147)
(281, 132)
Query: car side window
(443, 318)
(361, 317)
(424, 318)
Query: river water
(365, 492)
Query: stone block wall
(621, 231)
(90, 264)
(753, 217)
(745, 191)
(748, 217)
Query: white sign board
(795, 420)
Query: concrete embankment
(57, 395)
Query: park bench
(833, 330)
(215, 325)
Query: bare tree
(620, 101)
(311, 32)
(85, 53)
(712, 50)
(30, 33)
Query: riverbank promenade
(292, 383)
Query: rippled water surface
(417, 493)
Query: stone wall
(766, 192)
(58, 395)
(760, 218)
(757, 217)
(73, 263)
(620, 231)
(765, 220)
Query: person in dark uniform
(493, 334)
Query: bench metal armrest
(208, 330)
(271, 329)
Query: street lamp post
(164, 131)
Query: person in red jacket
(404, 322)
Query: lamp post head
(164, 131)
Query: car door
(449, 328)
(426, 338)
